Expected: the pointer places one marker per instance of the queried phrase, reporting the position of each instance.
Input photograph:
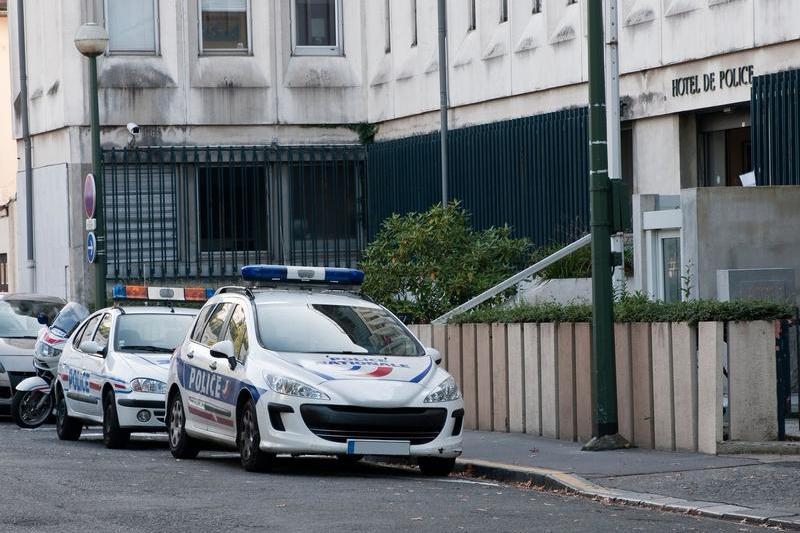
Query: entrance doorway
(724, 147)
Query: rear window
(334, 329)
(18, 318)
(156, 333)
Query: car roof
(23, 296)
(303, 296)
(153, 310)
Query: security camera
(133, 128)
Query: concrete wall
(537, 379)
(734, 227)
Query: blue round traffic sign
(91, 247)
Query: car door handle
(190, 355)
(212, 365)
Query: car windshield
(18, 318)
(333, 329)
(151, 333)
(68, 319)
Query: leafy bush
(578, 264)
(421, 265)
(636, 308)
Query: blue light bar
(299, 274)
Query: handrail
(515, 279)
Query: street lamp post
(91, 41)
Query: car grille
(342, 423)
(16, 377)
(160, 415)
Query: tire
(67, 427)
(20, 408)
(181, 445)
(114, 437)
(436, 466)
(248, 438)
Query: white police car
(309, 368)
(113, 369)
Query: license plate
(378, 447)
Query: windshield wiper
(156, 349)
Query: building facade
(286, 130)
(8, 164)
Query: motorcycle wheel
(30, 409)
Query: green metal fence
(530, 173)
(775, 116)
(203, 212)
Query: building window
(414, 37)
(388, 10)
(132, 26)
(537, 6)
(224, 26)
(234, 221)
(503, 11)
(3, 272)
(473, 19)
(317, 27)
(3, 8)
(570, 2)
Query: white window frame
(337, 50)
(224, 51)
(156, 32)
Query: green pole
(97, 170)
(605, 381)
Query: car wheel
(436, 466)
(249, 439)
(114, 437)
(181, 445)
(67, 427)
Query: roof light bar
(166, 294)
(301, 274)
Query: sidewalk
(759, 489)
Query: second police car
(298, 365)
(113, 370)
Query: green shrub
(636, 308)
(421, 265)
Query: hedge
(634, 309)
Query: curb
(571, 483)
(732, 447)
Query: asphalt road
(47, 485)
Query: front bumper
(300, 426)
(129, 406)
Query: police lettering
(348, 361)
(78, 381)
(206, 383)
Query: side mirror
(434, 354)
(224, 350)
(90, 347)
(42, 319)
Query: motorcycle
(34, 399)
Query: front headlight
(447, 391)
(149, 385)
(292, 387)
(44, 350)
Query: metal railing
(204, 212)
(515, 279)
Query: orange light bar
(136, 292)
(194, 294)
